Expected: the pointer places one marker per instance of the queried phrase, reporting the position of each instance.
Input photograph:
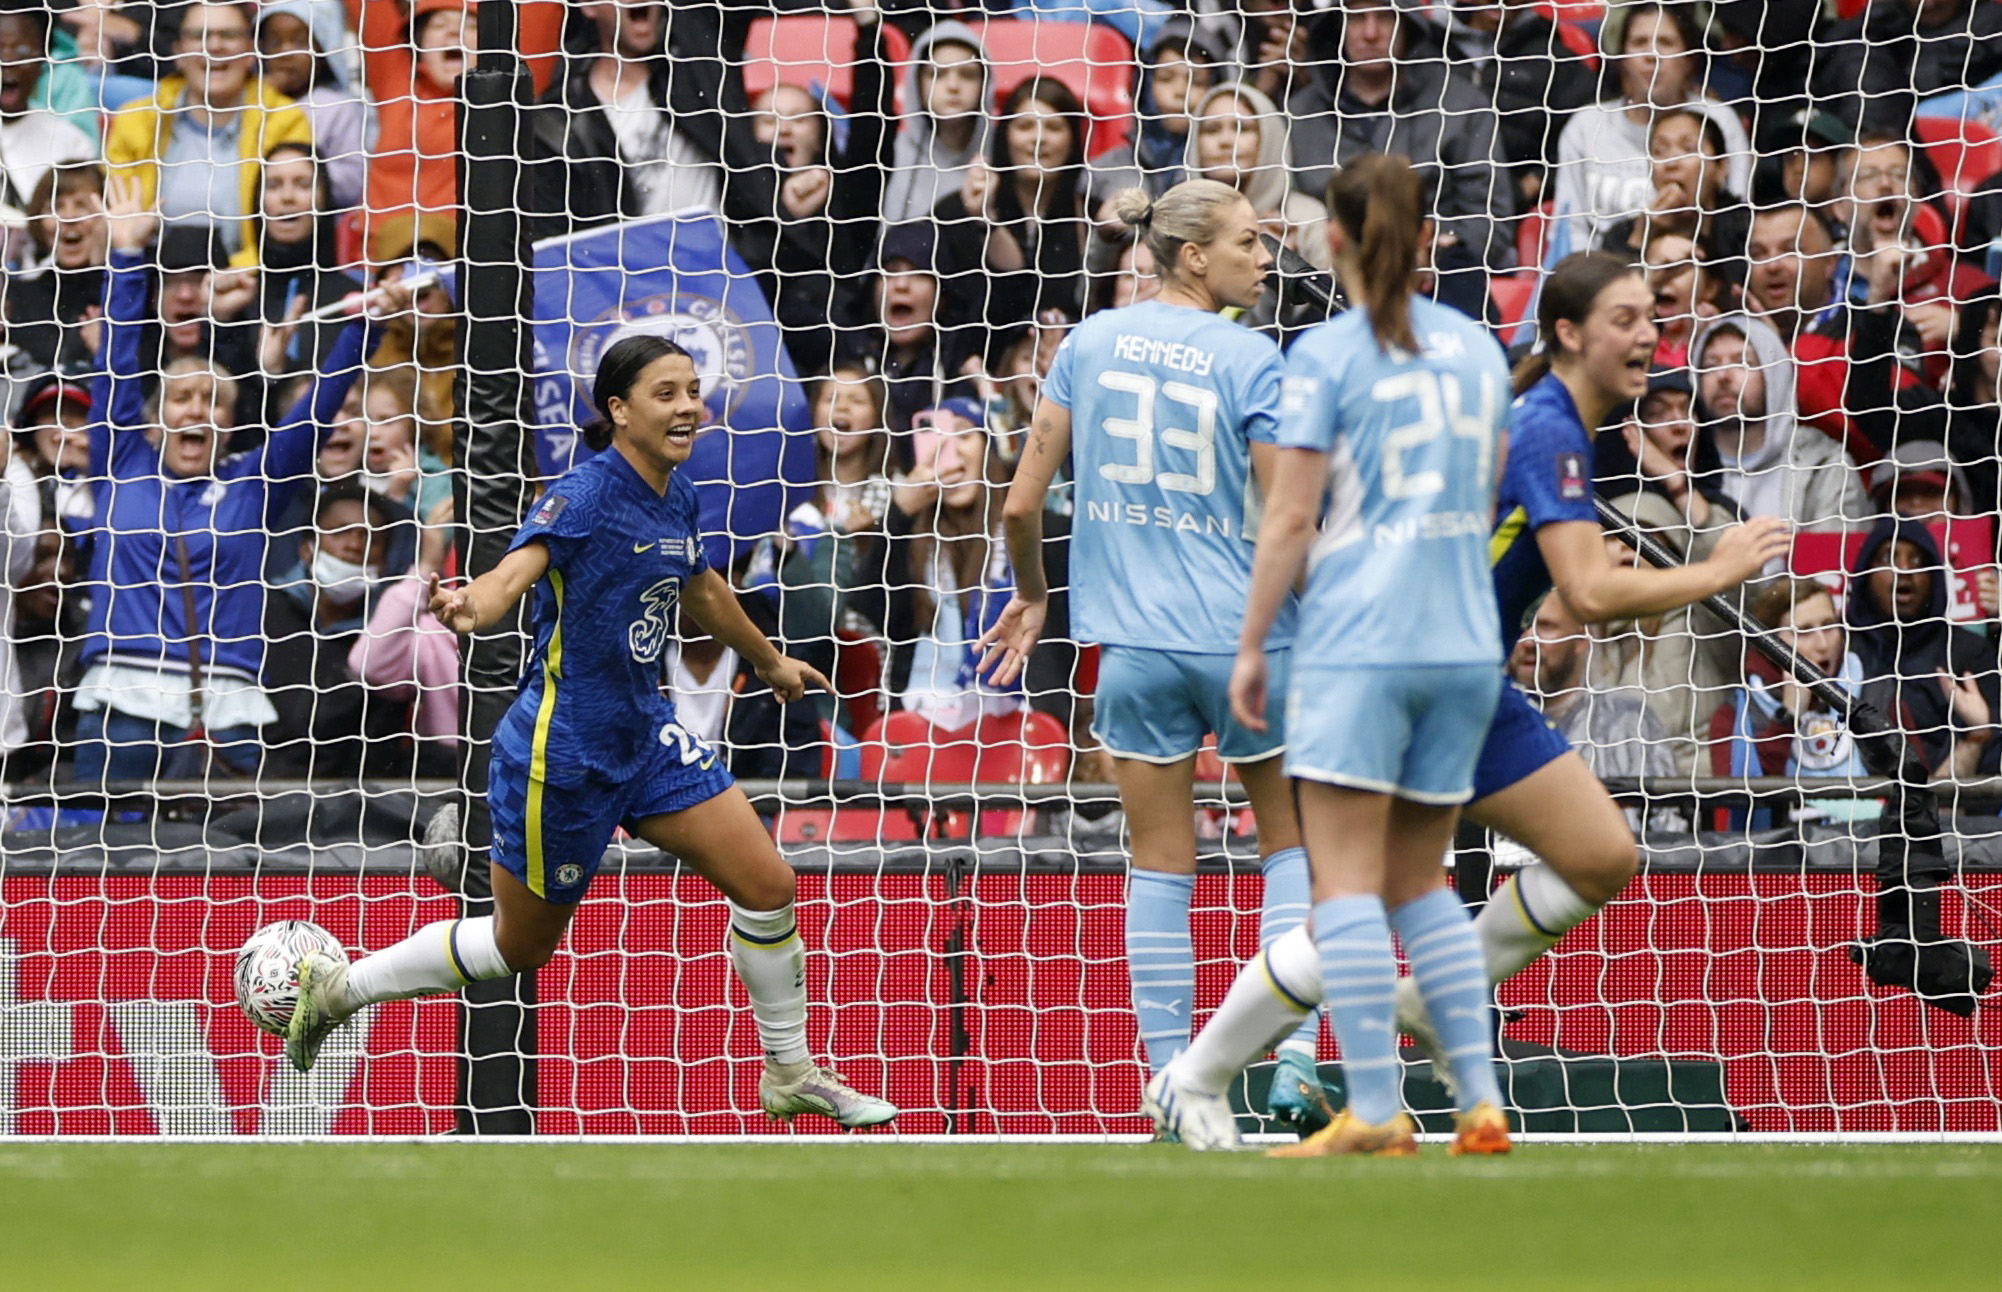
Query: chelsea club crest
(698, 324)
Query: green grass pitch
(824, 1216)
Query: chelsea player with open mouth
(591, 744)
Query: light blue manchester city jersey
(1165, 401)
(1399, 572)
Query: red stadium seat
(1094, 61)
(1965, 153)
(802, 49)
(858, 679)
(1020, 748)
(1511, 294)
(1532, 233)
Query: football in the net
(267, 970)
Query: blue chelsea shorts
(553, 837)
(1155, 706)
(1520, 741)
(1412, 732)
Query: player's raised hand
(454, 608)
(1012, 639)
(1247, 690)
(1744, 550)
(791, 679)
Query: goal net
(223, 702)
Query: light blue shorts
(1412, 732)
(1156, 706)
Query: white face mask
(341, 582)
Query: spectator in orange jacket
(412, 65)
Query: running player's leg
(547, 843)
(722, 838)
(1585, 852)
(1531, 786)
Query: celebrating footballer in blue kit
(591, 744)
(1596, 339)
(1163, 408)
(1393, 421)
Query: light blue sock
(1445, 957)
(1359, 976)
(1288, 898)
(1161, 961)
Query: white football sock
(770, 960)
(444, 956)
(1526, 917)
(1272, 993)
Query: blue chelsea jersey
(590, 702)
(1398, 574)
(1165, 401)
(1548, 479)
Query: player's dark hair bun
(618, 368)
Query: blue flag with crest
(676, 276)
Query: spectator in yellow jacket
(196, 145)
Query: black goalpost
(493, 468)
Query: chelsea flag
(676, 276)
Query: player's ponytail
(1377, 201)
(1568, 295)
(618, 368)
(1190, 213)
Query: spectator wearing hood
(416, 53)
(196, 146)
(947, 130)
(1945, 679)
(1749, 446)
(1239, 138)
(304, 46)
(1369, 97)
(1514, 56)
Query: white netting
(872, 229)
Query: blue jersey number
(1441, 409)
(1141, 429)
(648, 635)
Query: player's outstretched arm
(709, 600)
(1598, 590)
(1292, 512)
(481, 603)
(1014, 635)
